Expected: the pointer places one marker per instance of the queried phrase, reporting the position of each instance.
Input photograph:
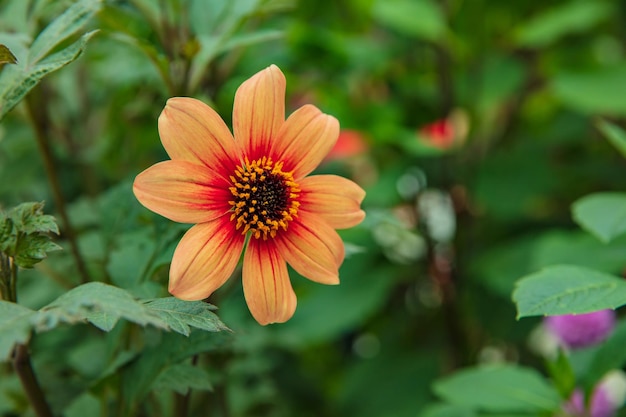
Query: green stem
(40, 122)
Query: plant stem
(40, 122)
(21, 358)
(24, 370)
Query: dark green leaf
(447, 410)
(32, 249)
(100, 304)
(181, 378)
(181, 315)
(603, 214)
(14, 326)
(499, 388)
(566, 289)
(30, 218)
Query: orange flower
(251, 189)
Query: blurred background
(470, 124)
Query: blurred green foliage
(451, 227)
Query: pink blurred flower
(350, 143)
(581, 330)
(601, 404)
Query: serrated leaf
(138, 378)
(571, 17)
(64, 26)
(30, 218)
(181, 378)
(14, 326)
(602, 214)
(32, 249)
(499, 388)
(615, 135)
(181, 315)
(6, 56)
(568, 289)
(100, 304)
(31, 77)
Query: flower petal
(204, 259)
(182, 192)
(266, 284)
(312, 248)
(335, 199)
(192, 131)
(259, 111)
(305, 139)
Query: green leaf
(181, 315)
(610, 355)
(602, 214)
(499, 388)
(139, 376)
(32, 249)
(181, 378)
(14, 326)
(64, 26)
(571, 17)
(562, 375)
(599, 91)
(419, 18)
(6, 56)
(15, 91)
(30, 218)
(100, 304)
(567, 289)
(614, 134)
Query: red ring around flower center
(264, 197)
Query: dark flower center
(264, 197)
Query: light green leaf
(30, 78)
(499, 388)
(64, 26)
(419, 18)
(181, 378)
(100, 304)
(85, 404)
(615, 135)
(14, 326)
(571, 17)
(32, 249)
(567, 289)
(181, 315)
(602, 214)
(599, 91)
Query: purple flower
(601, 404)
(581, 330)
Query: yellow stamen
(264, 198)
